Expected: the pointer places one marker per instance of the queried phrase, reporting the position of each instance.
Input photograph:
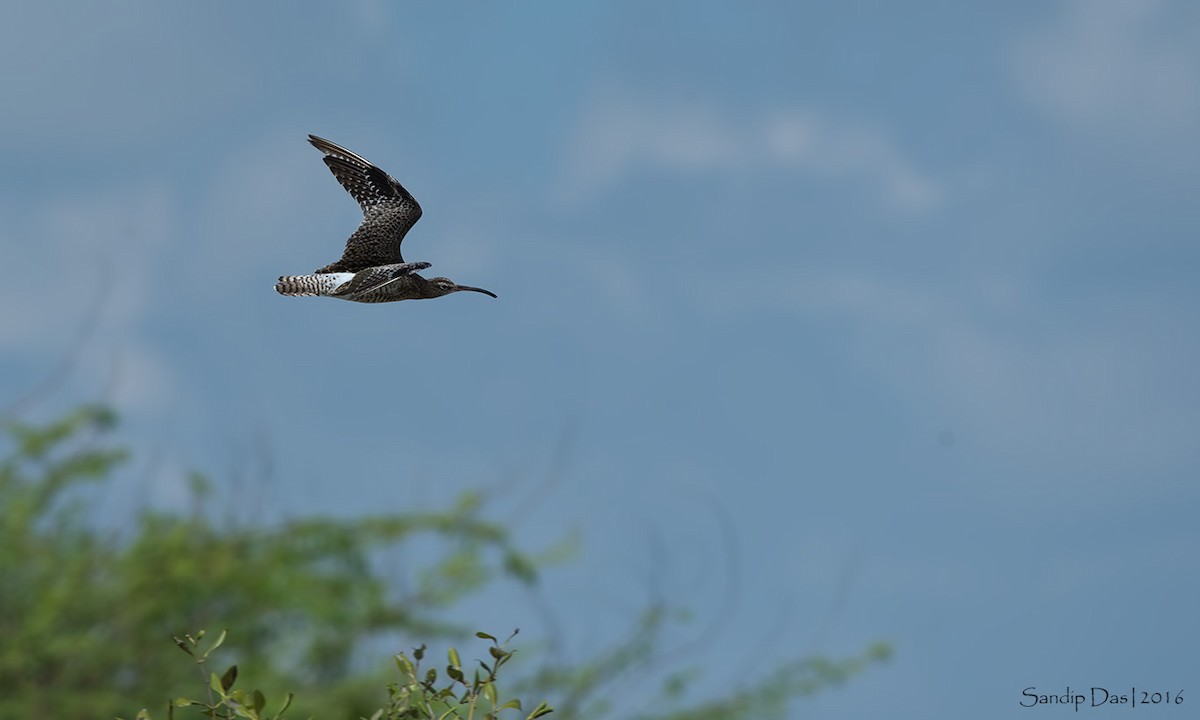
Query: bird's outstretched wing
(388, 209)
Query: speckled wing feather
(388, 209)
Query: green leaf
(453, 654)
(484, 636)
(454, 673)
(259, 702)
(228, 678)
(216, 643)
(287, 703)
(513, 704)
(539, 711)
(183, 645)
(419, 653)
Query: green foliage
(417, 696)
(224, 701)
(84, 610)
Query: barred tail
(311, 285)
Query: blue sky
(904, 294)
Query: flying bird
(371, 269)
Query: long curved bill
(478, 290)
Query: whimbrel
(371, 269)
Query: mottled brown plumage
(388, 210)
(390, 283)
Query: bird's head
(445, 286)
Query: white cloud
(1118, 67)
(808, 141)
(619, 135)
(1084, 389)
